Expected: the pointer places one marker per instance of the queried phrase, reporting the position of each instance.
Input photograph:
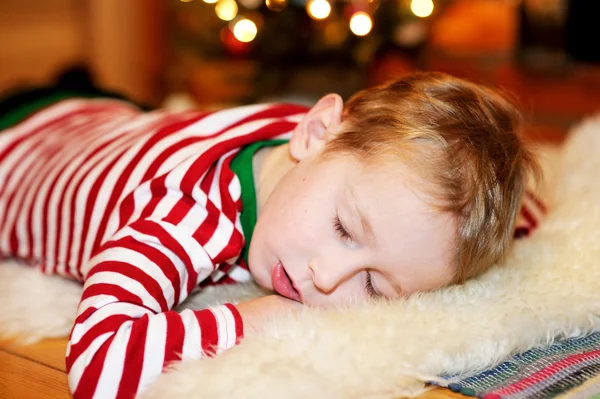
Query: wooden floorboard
(50, 352)
(22, 378)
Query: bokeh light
(276, 5)
(318, 9)
(422, 8)
(245, 30)
(207, 1)
(361, 23)
(232, 44)
(226, 9)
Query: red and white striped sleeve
(125, 331)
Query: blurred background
(219, 53)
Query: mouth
(283, 284)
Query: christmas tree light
(361, 23)
(245, 30)
(226, 9)
(422, 8)
(318, 9)
(276, 5)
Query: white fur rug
(548, 288)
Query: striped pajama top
(142, 208)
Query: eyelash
(369, 286)
(344, 235)
(341, 230)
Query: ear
(317, 126)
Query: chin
(261, 277)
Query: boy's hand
(255, 312)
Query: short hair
(463, 137)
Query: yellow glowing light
(245, 30)
(185, 1)
(360, 23)
(422, 8)
(208, 1)
(318, 9)
(226, 9)
(276, 5)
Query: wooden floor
(34, 371)
(38, 372)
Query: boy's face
(332, 224)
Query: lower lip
(282, 283)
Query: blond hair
(462, 137)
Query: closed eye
(341, 230)
(369, 286)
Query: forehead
(414, 239)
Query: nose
(327, 276)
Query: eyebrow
(366, 226)
(368, 229)
(396, 287)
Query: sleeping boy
(408, 187)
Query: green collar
(17, 115)
(241, 165)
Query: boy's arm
(125, 331)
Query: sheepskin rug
(547, 289)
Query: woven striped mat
(568, 369)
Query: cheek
(283, 224)
(301, 210)
(353, 289)
(351, 292)
(298, 214)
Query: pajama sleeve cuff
(220, 328)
